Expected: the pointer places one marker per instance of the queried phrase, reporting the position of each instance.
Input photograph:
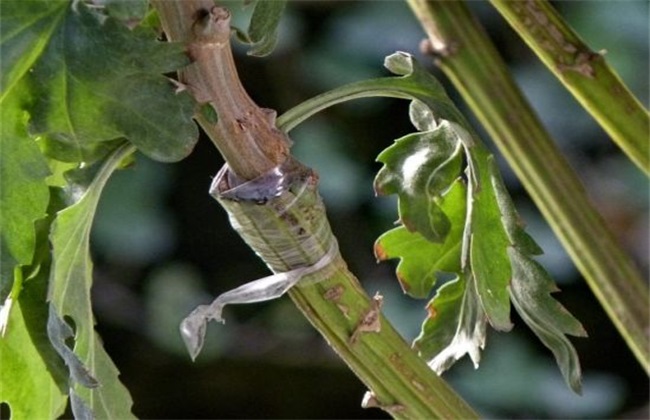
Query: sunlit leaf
(23, 192)
(492, 230)
(420, 259)
(24, 34)
(91, 79)
(33, 380)
(70, 283)
(419, 168)
(484, 268)
(454, 327)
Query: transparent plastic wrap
(280, 215)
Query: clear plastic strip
(194, 325)
(281, 217)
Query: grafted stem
(400, 381)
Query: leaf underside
(93, 376)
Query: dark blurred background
(163, 246)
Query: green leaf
(420, 259)
(95, 80)
(25, 31)
(23, 192)
(512, 223)
(489, 244)
(419, 168)
(530, 291)
(455, 326)
(71, 312)
(263, 27)
(492, 230)
(125, 10)
(33, 380)
(64, 152)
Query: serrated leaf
(23, 192)
(420, 259)
(263, 27)
(33, 380)
(70, 283)
(531, 290)
(489, 244)
(492, 228)
(95, 80)
(455, 326)
(419, 168)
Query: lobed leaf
(489, 245)
(70, 283)
(455, 325)
(82, 82)
(23, 192)
(91, 80)
(486, 271)
(33, 380)
(419, 168)
(530, 292)
(489, 275)
(421, 259)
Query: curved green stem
(376, 88)
(373, 88)
(584, 73)
(471, 61)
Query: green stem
(584, 73)
(373, 88)
(469, 59)
(334, 302)
(401, 382)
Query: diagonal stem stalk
(335, 303)
(584, 73)
(471, 61)
(244, 133)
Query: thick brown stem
(244, 133)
